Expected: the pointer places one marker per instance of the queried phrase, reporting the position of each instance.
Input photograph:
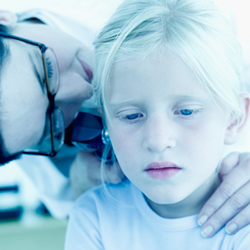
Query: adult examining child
(25, 98)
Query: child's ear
(7, 18)
(235, 126)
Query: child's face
(166, 130)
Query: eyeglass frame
(51, 97)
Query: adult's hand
(231, 201)
(85, 172)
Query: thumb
(228, 163)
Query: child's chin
(166, 198)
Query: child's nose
(159, 135)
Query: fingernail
(231, 228)
(207, 231)
(202, 220)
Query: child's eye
(186, 112)
(132, 117)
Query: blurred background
(25, 222)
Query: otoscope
(86, 133)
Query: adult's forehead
(4, 58)
(26, 58)
(29, 49)
(19, 69)
(24, 104)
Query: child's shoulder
(103, 194)
(94, 214)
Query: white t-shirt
(121, 219)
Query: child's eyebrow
(117, 104)
(176, 98)
(192, 97)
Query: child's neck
(190, 205)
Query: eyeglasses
(53, 135)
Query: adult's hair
(4, 54)
(194, 31)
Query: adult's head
(24, 101)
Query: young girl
(168, 78)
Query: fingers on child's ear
(228, 164)
(236, 126)
(7, 18)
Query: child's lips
(162, 170)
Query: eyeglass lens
(52, 71)
(45, 144)
(54, 124)
(57, 131)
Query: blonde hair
(193, 30)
